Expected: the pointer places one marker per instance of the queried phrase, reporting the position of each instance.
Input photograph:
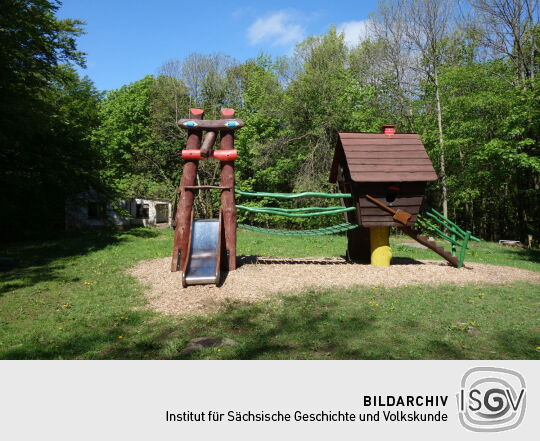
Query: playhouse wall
(358, 240)
(409, 199)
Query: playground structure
(202, 263)
(387, 173)
(381, 178)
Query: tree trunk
(442, 162)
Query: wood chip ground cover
(259, 279)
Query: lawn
(70, 298)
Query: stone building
(87, 210)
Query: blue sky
(126, 40)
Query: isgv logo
(491, 399)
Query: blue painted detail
(232, 124)
(191, 124)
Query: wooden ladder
(432, 245)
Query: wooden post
(208, 143)
(358, 244)
(185, 203)
(228, 204)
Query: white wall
(76, 213)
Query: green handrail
(296, 212)
(306, 194)
(455, 233)
(436, 231)
(453, 224)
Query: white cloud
(355, 31)
(278, 29)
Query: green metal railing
(455, 235)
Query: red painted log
(185, 202)
(226, 155)
(193, 155)
(228, 204)
(221, 155)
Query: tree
(138, 163)
(388, 62)
(428, 28)
(325, 98)
(32, 44)
(261, 164)
(509, 29)
(46, 114)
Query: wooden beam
(194, 124)
(208, 143)
(228, 204)
(185, 203)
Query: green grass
(70, 298)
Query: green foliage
(492, 146)
(137, 160)
(59, 136)
(46, 115)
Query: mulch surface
(259, 279)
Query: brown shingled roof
(374, 157)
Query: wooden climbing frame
(198, 149)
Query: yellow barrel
(381, 253)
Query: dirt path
(260, 278)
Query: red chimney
(388, 129)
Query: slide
(203, 263)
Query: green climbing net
(334, 229)
(297, 212)
(306, 194)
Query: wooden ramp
(432, 245)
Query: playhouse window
(392, 193)
(143, 211)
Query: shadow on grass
(519, 342)
(40, 261)
(304, 327)
(101, 338)
(311, 326)
(527, 254)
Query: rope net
(307, 194)
(334, 229)
(296, 212)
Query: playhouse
(391, 168)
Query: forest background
(464, 75)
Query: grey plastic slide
(203, 262)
